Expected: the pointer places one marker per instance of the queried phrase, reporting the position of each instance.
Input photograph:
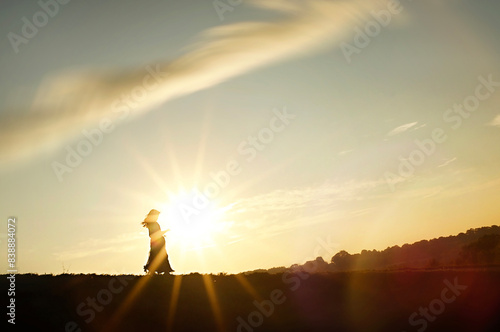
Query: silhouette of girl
(158, 258)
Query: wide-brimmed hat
(153, 212)
(152, 215)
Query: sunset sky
(296, 142)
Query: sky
(266, 132)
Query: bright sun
(192, 218)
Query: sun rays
(214, 302)
(174, 299)
(201, 222)
(195, 221)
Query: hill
(474, 248)
(342, 301)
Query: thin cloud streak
(282, 211)
(92, 247)
(71, 102)
(447, 162)
(401, 129)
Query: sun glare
(192, 218)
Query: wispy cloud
(344, 152)
(70, 102)
(323, 195)
(495, 122)
(282, 211)
(447, 162)
(401, 129)
(92, 247)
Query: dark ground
(351, 301)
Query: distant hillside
(261, 302)
(478, 246)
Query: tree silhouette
(484, 250)
(342, 260)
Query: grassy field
(355, 301)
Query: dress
(158, 258)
